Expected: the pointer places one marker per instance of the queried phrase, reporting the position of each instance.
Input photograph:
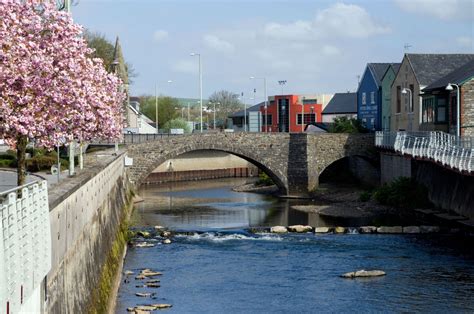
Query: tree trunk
(21, 157)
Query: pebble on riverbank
(364, 274)
(300, 228)
(278, 229)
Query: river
(219, 267)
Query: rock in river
(278, 229)
(368, 229)
(364, 273)
(411, 229)
(321, 230)
(340, 230)
(300, 228)
(166, 241)
(395, 229)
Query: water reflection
(212, 204)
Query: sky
(316, 46)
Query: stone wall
(467, 110)
(85, 212)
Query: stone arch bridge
(293, 161)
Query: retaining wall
(84, 224)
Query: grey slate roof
(395, 67)
(457, 76)
(242, 112)
(378, 70)
(342, 103)
(430, 67)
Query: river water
(219, 267)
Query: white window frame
(372, 97)
(364, 98)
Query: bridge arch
(148, 156)
(364, 168)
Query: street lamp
(458, 109)
(156, 106)
(282, 83)
(265, 95)
(193, 54)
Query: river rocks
(143, 294)
(166, 241)
(145, 308)
(368, 229)
(429, 229)
(278, 229)
(153, 285)
(149, 273)
(339, 230)
(364, 273)
(300, 228)
(137, 311)
(144, 244)
(321, 230)
(159, 228)
(140, 277)
(162, 306)
(166, 234)
(411, 229)
(152, 281)
(144, 234)
(128, 272)
(394, 229)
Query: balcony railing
(446, 149)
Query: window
(412, 88)
(364, 101)
(372, 97)
(399, 102)
(428, 110)
(269, 120)
(441, 110)
(309, 101)
(454, 114)
(308, 118)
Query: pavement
(8, 178)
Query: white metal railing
(449, 150)
(25, 246)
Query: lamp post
(282, 84)
(458, 107)
(245, 113)
(188, 112)
(265, 95)
(410, 104)
(193, 54)
(156, 106)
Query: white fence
(25, 247)
(446, 149)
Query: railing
(25, 246)
(446, 149)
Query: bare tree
(226, 103)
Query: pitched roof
(457, 76)
(431, 67)
(242, 112)
(342, 103)
(378, 70)
(394, 66)
(119, 62)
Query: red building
(285, 113)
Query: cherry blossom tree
(50, 87)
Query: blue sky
(316, 46)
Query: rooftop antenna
(407, 47)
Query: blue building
(369, 96)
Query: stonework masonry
(467, 112)
(293, 161)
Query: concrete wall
(85, 214)
(393, 167)
(204, 160)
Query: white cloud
(465, 41)
(442, 9)
(218, 44)
(330, 50)
(186, 66)
(160, 35)
(338, 21)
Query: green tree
(167, 108)
(177, 124)
(226, 104)
(346, 125)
